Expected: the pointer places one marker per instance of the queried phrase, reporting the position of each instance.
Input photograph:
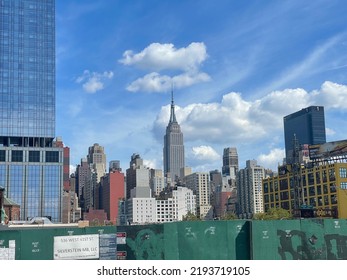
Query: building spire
(172, 115)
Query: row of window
(33, 156)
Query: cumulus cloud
(150, 163)
(329, 131)
(272, 159)
(205, 153)
(157, 57)
(236, 120)
(93, 81)
(165, 57)
(154, 82)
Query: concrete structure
(157, 181)
(84, 185)
(31, 168)
(142, 210)
(184, 202)
(97, 160)
(111, 191)
(307, 125)
(173, 147)
(199, 183)
(137, 176)
(249, 189)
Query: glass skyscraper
(31, 166)
(308, 126)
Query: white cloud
(205, 153)
(93, 81)
(154, 82)
(72, 169)
(329, 131)
(150, 163)
(157, 57)
(236, 120)
(332, 95)
(272, 159)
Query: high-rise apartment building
(31, 167)
(249, 189)
(307, 126)
(173, 147)
(157, 181)
(199, 183)
(111, 192)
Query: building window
(52, 156)
(343, 172)
(2, 155)
(34, 156)
(17, 156)
(344, 185)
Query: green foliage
(273, 214)
(190, 217)
(229, 216)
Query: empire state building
(173, 146)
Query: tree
(190, 217)
(273, 214)
(229, 216)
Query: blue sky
(238, 67)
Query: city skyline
(238, 69)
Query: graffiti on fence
(298, 245)
(147, 245)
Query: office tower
(173, 147)
(230, 162)
(249, 189)
(307, 125)
(199, 183)
(31, 168)
(97, 160)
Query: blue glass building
(308, 126)
(31, 167)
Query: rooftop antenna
(172, 115)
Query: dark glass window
(34, 156)
(283, 184)
(2, 155)
(17, 156)
(52, 156)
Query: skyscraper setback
(173, 146)
(31, 165)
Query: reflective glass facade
(31, 168)
(308, 125)
(35, 186)
(27, 68)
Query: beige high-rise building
(199, 183)
(97, 160)
(249, 189)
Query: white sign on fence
(76, 247)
